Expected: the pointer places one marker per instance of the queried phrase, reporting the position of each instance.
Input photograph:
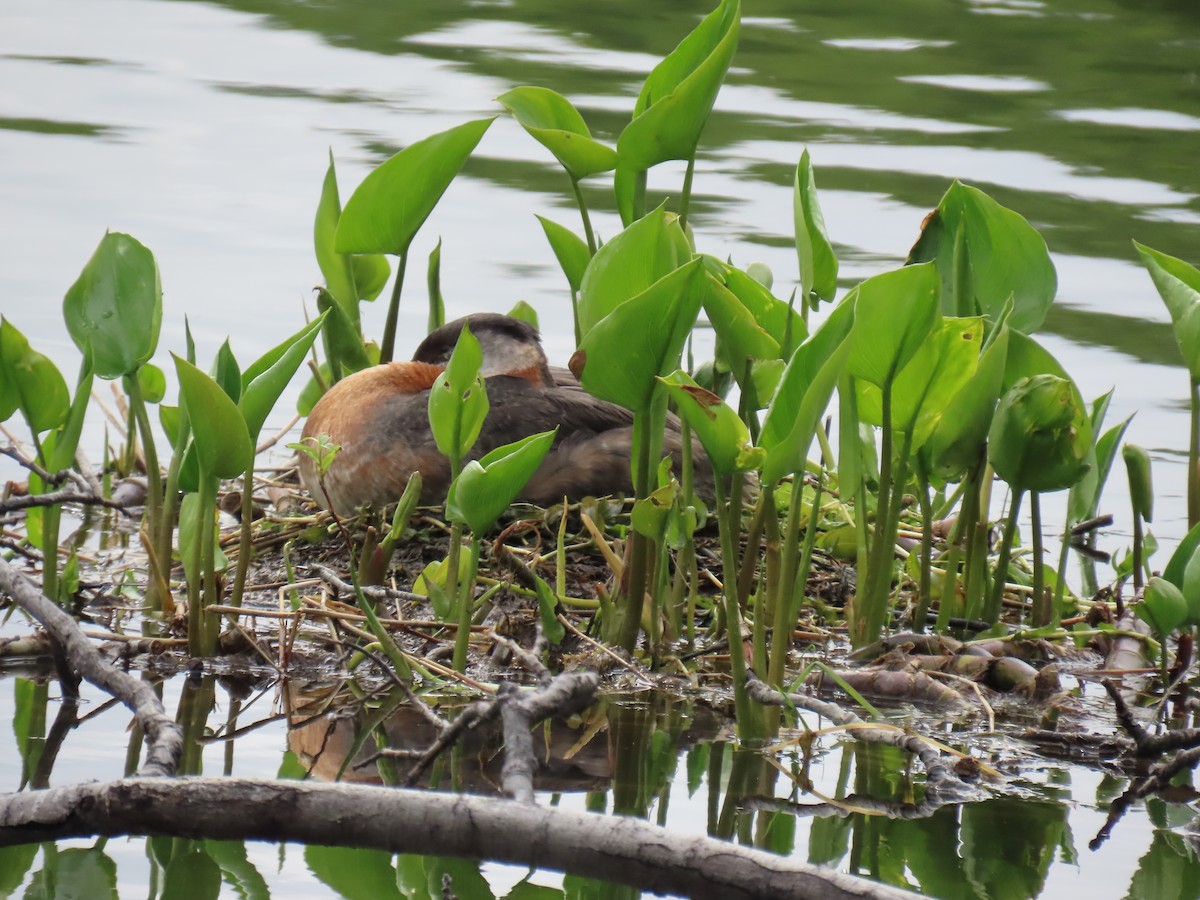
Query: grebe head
(510, 347)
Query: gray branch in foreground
(626, 850)
(164, 738)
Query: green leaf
(818, 263)
(152, 382)
(389, 207)
(342, 339)
(958, 436)
(547, 608)
(1141, 490)
(433, 283)
(271, 373)
(716, 425)
(621, 355)
(192, 875)
(631, 262)
(803, 395)
(894, 313)
(226, 371)
(485, 488)
(39, 390)
(557, 125)
(523, 312)
(570, 250)
(1188, 547)
(650, 515)
(1163, 607)
(1006, 257)
(1084, 499)
(348, 278)
(84, 874)
(458, 401)
(114, 309)
(1179, 286)
(354, 873)
(674, 103)
(1040, 435)
(942, 366)
(192, 519)
(223, 445)
(1191, 588)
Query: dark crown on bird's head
(509, 346)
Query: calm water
(204, 130)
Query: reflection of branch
(942, 783)
(1147, 746)
(621, 849)
(165, 737)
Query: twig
(164, 736)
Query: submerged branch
(165, 738)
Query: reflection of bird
(380, 418)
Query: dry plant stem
(426, 822)
(165, 737)
(941, 782)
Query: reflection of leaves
(14, 863)
(354, 873)
(193, 875)
(1008, 845)
(1167, 870)
(76, 874)
(238, 870)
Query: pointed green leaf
(343, 342)
(1005, 257)
(804, 392)
(115, 306)
(960, 433)
(642, 338)
(192, 875)
(389, 207)
(433, 282)
(223, 444)
(1179, 286)
(717, 426)
(269, 375)
(523, 312)
(458, 401)
(487, 487)
(226, 371)
(557, 125)
(895, 312)
(570, 250)
(818, 263)
(631, 262)
(674, 103)
(32, 382)
(348, 278)
(943, 364)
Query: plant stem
(991, 612)
(1041, 615)
(465, 606)
(1194, 457)
(154, 496)
(926, 584)
(782, 601)
(210, 624)
(587, 219)
(727, 522)
(686, 198)
(387, 349)
(639, 550)
(245, 540)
